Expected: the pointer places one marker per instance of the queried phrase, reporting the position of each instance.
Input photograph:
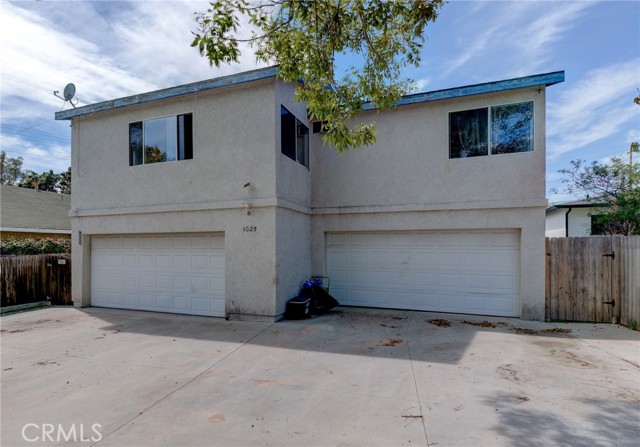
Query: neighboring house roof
(25, 209)
(270, 72)
(582, 203)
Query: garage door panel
(449, 271)
(181, 273)
(199, 262)
(162, 262)
(507, 283)
(162, 242)
(199, 242)
(477, 282)
(146, 262)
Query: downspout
(566, 223)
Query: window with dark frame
(294, 138)
(161, 139)
(501, 129)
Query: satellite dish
(68, 94)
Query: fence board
(630, 285)
(27, 279)
(583, 273)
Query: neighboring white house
(218, 198)
(571, 219)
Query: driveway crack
(165, 397)
(415, 381)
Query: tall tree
(10, 169)
(47, 181)
(616, 185)
(64, 183)
(306, 38)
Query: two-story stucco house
(219, 198)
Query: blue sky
(111, 49)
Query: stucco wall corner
(533, 311)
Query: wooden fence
(595, 279)
(27, 279)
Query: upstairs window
(161, 139)
(503, 129)
(294, 138)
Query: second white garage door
(474, 272)
(165, 273)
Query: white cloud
(108, 49)
(633, 136)
(421, 84)
(516, 35)
(38, 157)
(594, 108)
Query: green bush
(17, 247)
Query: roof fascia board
(546, 79)
(172, 92)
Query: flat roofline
(545, 79)
(171, 92)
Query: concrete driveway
(356, 377)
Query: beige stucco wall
(406, 181)
(410, 165)
(234, 143)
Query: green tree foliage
(10, 169)
(64, 181)
(615, 184)
(48, 181)
(19, 247)
(153, 154)
(305, 39)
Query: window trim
(179, 150)
(489, 122)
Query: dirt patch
(399, 318)
(509, 372)
(391, 342)
(574, 359)
(556, 330)
(388, 325)
(526, 331)
(216, 418)
(522, 398)
(440, 322)
(13, 331)
(481, 324)
(523, 331)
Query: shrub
(16, 247)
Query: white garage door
(473, 272)
(165, 273)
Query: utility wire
(26, 128)
(37, 155)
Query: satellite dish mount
(68, 94)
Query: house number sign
(250, 229)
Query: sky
(112, 49)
